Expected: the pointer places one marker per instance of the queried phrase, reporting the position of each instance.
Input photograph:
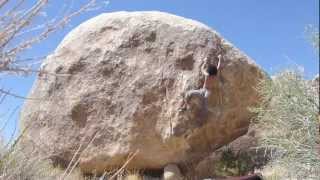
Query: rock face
(115, 83)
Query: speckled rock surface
(119, 77)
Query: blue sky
(269, 31)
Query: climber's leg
(187, 96)
(205, 109)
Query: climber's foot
(182, 109)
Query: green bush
(233, 164)
(288, 118)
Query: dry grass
(15, 165)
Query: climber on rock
(210, 72)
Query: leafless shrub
(24, 24)
(312, 34)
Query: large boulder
(113, 86)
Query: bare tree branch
(3, 2)
(14, 23)
(18, 22)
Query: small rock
(133, 177)
(172, 172)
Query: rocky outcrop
(240, 157)
(114, 85)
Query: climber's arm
(205, 73)
(218, 66)
(203, 69)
